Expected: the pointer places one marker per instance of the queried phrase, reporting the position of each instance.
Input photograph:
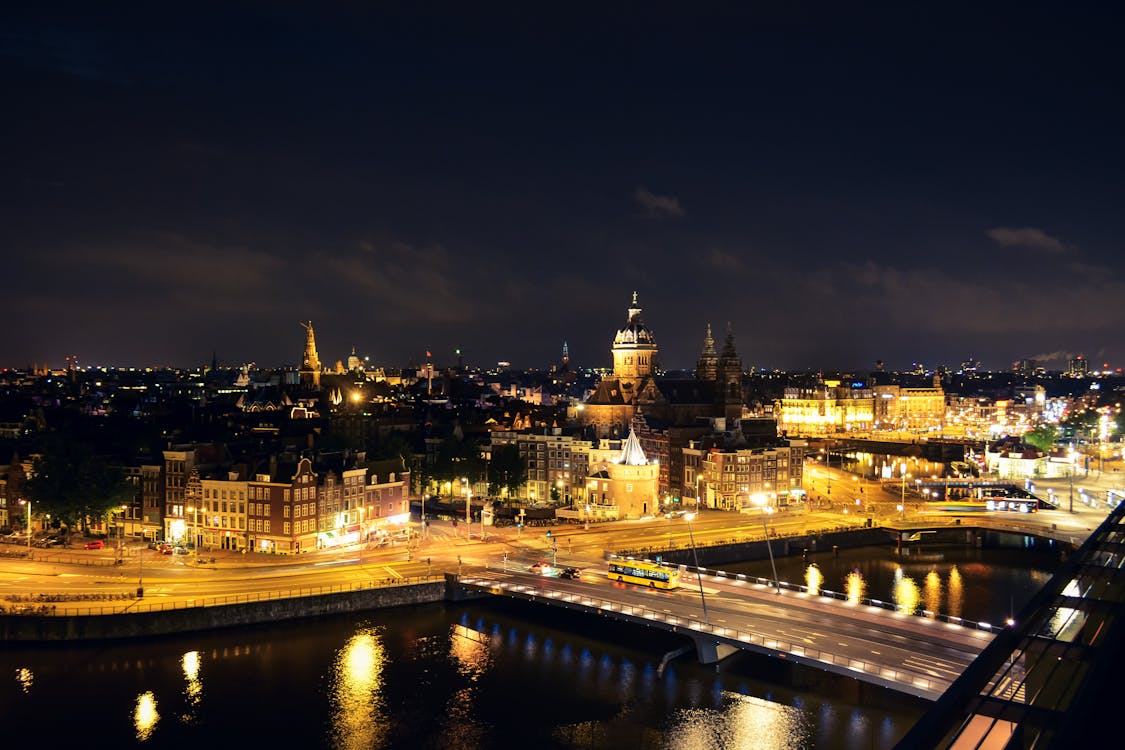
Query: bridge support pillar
(711, 652)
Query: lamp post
(195, 529)
(828, 469)
(760, 500)
(905, 476)
(468, 506)
(698, 577)
(28, 503)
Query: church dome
(635, 332)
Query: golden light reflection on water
(471, 652)
(932, 591)
(145, 715)
(906, 593)
(25, 678)
(956, 591)
(743, 722)
(357, 693)
(194, 688)
(855, 587)
(813, 579)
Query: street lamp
(28, 504)
(195, 529)
(468, 506)
(760, 500)
(828, 467)
(698, 576)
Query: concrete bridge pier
(711, 652)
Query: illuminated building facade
(726, 478)
(623, 484)
(222, 511)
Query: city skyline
(839, 187)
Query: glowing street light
(28, 504)
(698, 576)
(761, 501)
(468, 506)
(195, 529)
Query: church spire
(708, 364)
(310, 362)
(729, 377)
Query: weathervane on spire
(634, 299)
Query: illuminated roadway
(915, 655)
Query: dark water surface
(477, 675)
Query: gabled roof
(608, 393)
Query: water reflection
(357, 711)
(856, 587)
(25, 678)
(905, 593)
(956, 592)
(813, 579)
(932, 591)
(145, 715)
(193, 690)
(742, 721)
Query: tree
(506, 469)
(456, 459)
(72, 485)
(1043, 438)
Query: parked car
(179, 550)
(570, 573)
(94, 544)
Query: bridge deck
(919, 656)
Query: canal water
(478, 675)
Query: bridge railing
(733, 636)
(827, 593)
(744, 538)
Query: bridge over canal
(867, 641)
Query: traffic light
(548, 533)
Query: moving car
(94, 544)
(540, 568)
(570, 573)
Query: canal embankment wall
(47, 628)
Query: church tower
(728, 378)
(634, 352)
(708, 366)
(310, 363)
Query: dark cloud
(659, 206)
(413, 180)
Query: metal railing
(890, 606)
(49, 604)
(732, 636)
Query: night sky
(840, 184)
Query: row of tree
(459, 459)
(74, 486)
